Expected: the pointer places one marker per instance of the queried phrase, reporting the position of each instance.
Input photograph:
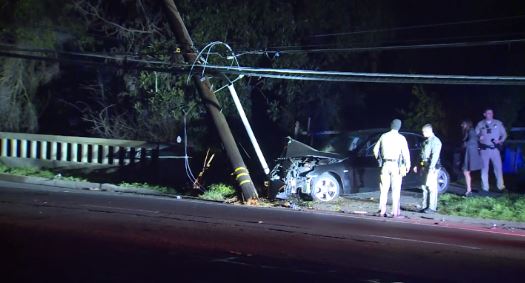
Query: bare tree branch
(93, 11)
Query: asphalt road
(58, 235)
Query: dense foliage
(105, 101)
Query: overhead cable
(291, 74)
(420, 26)
(384, 48)
(491, 36)
(311, 75)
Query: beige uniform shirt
(392, 146)
(490, 132)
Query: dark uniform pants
(430, 189)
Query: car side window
(418, 144)
(352, 143)
(369, 146)
(415, 142)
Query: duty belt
(483, 146)
(487, 147)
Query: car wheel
(325, 187)
(443, 180)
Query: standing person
(471, 157)
(391, 150)
(491, 135)
(430, 166)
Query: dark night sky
(504, 60)
(383, 101)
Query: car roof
(380, 130)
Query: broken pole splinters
(242, 175)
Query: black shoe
(378, 214)
(484, 193)
(428, 211)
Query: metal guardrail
(93, 151)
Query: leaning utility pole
(240, 172)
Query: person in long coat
(471, 156)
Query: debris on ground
(252, 202)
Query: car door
(415, 143)
(366, 169)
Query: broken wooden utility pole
(240, 171)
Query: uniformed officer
(429, 165)
(391, 150)
(491, 134)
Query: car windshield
(517, 134)
(346, 142)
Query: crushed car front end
(306, 171)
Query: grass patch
(35, 172)
(27, 172)
(506, 207)
(162, 189)
(218, 192)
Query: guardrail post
(63, 151)
(43, 150)
(23, 148)
(74, 152)
(84, 153)
(4, 147)
(105, 154)
(116, 155)
(94, 154)
(14, 147)
(34, 146)
(54, 151)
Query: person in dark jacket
(471, 157)
(429, 164)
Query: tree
(122, 95)
(136, 104)
(427, 108)
(291, 25)
(20, 79)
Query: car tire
(325, 188)
(443, 180)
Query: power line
(384, 48)
(396, 29)
(103, 60)
(420, 26)
(432, 39)
(311, 75)
(127, 56)
(290, 74)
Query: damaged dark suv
(344, 165)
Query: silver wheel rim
(442, 181)
(326, 189)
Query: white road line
(112, 208)
(425, 242)
(448, 224)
